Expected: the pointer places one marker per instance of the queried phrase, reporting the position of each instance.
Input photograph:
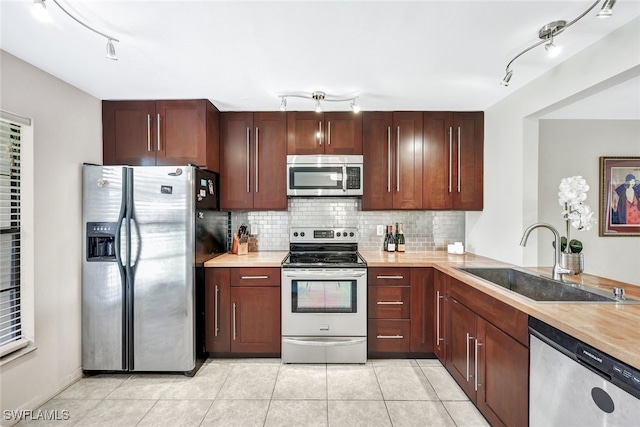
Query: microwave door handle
(344, 179)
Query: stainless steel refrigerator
(147, 232)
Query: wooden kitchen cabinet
(453, 160)
(487, 353)
(164, 132)
(253, 160)
(399, 311)
(337, 133)
(392, 153)
(247, 319)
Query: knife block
(239, 248)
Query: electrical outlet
(253, 229)
(380, 230)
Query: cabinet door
(181, 132)
(305, 133)
(422, 310)
(407, 162)
(255, 319)
(389, 335)
(128, 136)
(438, 160)
(440, 315)
(378, 169)
(343, 133)
(389, 302)
(468, 171)
(503, 382)
(217, 310)
(235, 161)
(460, 336)
(269, 157)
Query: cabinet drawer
(389, 335)
(389, 302)
(389, 276)
(255, 276)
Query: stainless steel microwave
(324, 175)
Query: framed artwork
(619, 196)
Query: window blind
(10, 302)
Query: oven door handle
(335, 274)
(323, 343)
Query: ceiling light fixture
(551, 30)
(40, 10)
(319, 96)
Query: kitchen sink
(542, 289)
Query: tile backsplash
(423, 230)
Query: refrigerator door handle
(128, 294)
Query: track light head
(283, 104)
(606, 11)
(507, 78)
(355, 107)
(111, 50)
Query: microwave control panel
(353, 178)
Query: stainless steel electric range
(324, 297)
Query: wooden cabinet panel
(270, 157)
(389, 335)
(217, 310)
(304, 133)
(377, 160)
(438, 160)
(503, 377)
(389, 302)
(338, 133)
(440, 315)
(255, 320)
(407, 191)
(235, 167)
(461, 329)
(470, 128)
(343, 133)
(422, 310)
(128, 136)
(389, 276)
(255, 276)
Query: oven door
(324, 302)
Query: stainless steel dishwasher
(574, 384)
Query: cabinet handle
(248, 190)
(148, 132)
(216, 311)
(390, 302)
(390, 277)
(450, 156)
(253, 277)
(478, 344)
(398, 162)
(328, 133)
(390, 337)
(158, 131)
(320, 133)
(438, 298)
(234, 322)
(469, 337)
(257, 139)
(459, 159)
(389, 159)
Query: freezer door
(103, 321)
(162, 269)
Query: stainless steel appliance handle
(158, 124)
(216, 314)
(320, 132)
(468, 338)
(336, 274)
(398, 162)
(234, 321)
(475, 370)
(389, 159)
(390, 277)
(148, 132)
(450, 156)
(344, 179)
(459, 168)
(323, 343)
(248, 160)
(127, 313)
(257, 140)
(253, 277)
(390, 302)
(328, 133)
(390, 337)
(438, 298)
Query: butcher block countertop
(610, 327)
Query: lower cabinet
(242, 311)
(400, 311)
(489, 361)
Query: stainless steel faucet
(557, 270)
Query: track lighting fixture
(319, 97)
(547, 33)
(40, 11)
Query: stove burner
(326, 258)
(304, 258)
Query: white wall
(572, 147)
(67, 132)
(511, 142)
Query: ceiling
(393, 55)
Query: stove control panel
(323, 234)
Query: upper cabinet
(453, 160)
(392, 160)
(253, 161)
(177, 132)
(337, 133)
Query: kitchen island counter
(612, 328)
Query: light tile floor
(265, 392)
